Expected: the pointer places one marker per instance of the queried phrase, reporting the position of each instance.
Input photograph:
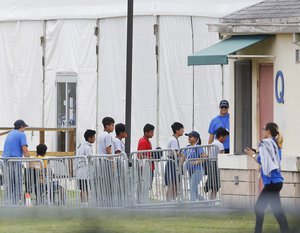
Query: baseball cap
(193, 134)
(19, 123)
(224, 103)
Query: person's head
(20, 125)
(224, 106)
(41, 149)
(121, 130)
(108, 124)
(194, 138)
(271, 130)
(89, 135)
(222, 134)
(148, 130)
(177, 129)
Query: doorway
(66, 108)
(266, 95)
(243, 106)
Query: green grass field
(120, 221)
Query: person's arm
(25, 151)
(108, 150)
(251, 153)
(211, 138)
(24, 145)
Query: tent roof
(14, 10)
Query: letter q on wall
(279, 93)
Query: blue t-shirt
(193, 154)
(217, 122)
(275, 176)
(14, 142)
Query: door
(243, 106)
(266, 95)
(66, 112)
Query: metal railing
(146, 178)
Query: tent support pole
(156, 33)
(222, 71)
(193, 51)
(98, 74)
(129, 75)
(43, 44)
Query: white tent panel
(21, 75)
(112, 63)
(112, 68)
(71, 47)
(175, 77)
(144, 86)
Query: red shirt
(145, 144)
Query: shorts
(171, 178)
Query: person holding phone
(269, 158)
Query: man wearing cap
(16, 146)
(16, 143)
(221, 120)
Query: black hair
(274, 130)
(199, 141)
(41, 149)
(221, 132)
(176, 126)
(107, 121)
(148, 128)
(120, 128)
(89, 133)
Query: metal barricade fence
(109, 177)
(156, 177)
(68, 181)
(201, 180)
(2, 183)
(24, 182)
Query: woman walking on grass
(269, 158)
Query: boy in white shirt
(105, 139)
(170, 168)
(84, 149)
(221, 135)
(120, 134)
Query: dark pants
(270, 195)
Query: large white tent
(165, 89)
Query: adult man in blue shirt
(221, 120)
(16, 143)
(15, 146)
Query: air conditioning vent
(297, 55)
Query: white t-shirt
(218, 144)
(105, 140)
(84, 149)
(173, 144)
(119, 145)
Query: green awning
(217, 53)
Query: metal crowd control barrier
(23, 182)
(2, 182)
(67, 181)
(201, 180)
(156, 177)
(109, 177)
